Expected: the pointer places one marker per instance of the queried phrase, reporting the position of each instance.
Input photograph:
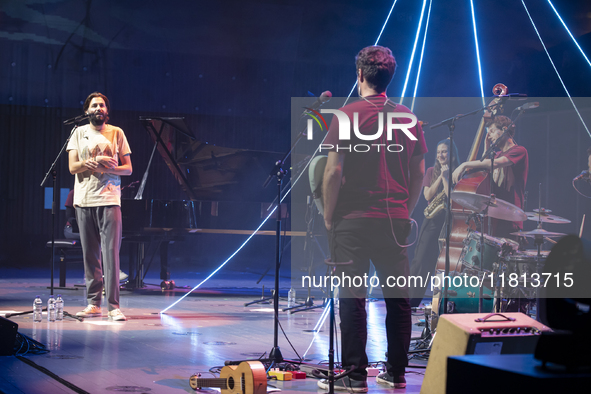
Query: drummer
(510, 171)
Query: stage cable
(414, 95)
(569, 33)
(555, 69)
(52, 375)
(414, 48)
(477, 52)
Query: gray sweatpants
(100, 231)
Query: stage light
(569, 33)
(555, 69)
(321, 321)
(414, 95)
(284, 196)
(477, 51)
(224, 263)
(414, 47)
(377, 40)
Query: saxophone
(436, 205)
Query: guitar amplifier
(478, 333)
(8, 331)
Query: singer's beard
(96, 121)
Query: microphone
(583, 174)
(530, 105)
(324, 98)
(77, 119)
(514, 96)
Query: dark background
(231, 67)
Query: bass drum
(462, 297)
(524, 263)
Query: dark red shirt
(511, 180)
(375, 183)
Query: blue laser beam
(569, 33)
(321, 321)
(414, 96)
(477, 51)
(414, 48)
(376, 43)
(555, 69)
(285, 195)
(224, 263)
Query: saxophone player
(435, 189)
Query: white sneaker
(117, 315)
(122, 276)
(90, 311)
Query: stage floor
(157, 353)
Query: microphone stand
(278, 172)
(451, 124)
(490, 153)
(54, 207)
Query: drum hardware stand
(478, 219)
(539, 241)
(427, 334)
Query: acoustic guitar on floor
(249, 377)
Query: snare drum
(525, 261)
(493, 248)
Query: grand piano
(224, 194)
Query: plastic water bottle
(37, 309)
(59, 307)
(291, 298)
(51, 308)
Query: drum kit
(506, 273)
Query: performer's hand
(107, 161)
(328, 224)
(444, 171)
(90, 164)
(458, 173)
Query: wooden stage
(157, 353)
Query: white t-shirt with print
(95, 188)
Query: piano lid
(209, 172)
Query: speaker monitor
(8, 331)
(478, 333)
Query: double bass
(472, 182)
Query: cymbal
(497, 208)
(539, 232)
(546, 218)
